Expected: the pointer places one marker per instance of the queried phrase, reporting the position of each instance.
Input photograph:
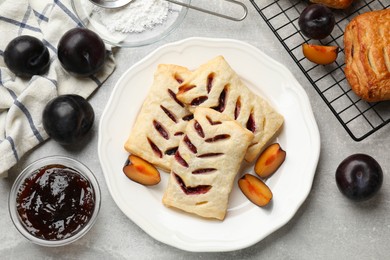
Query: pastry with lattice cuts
(367, 55)
(162, 119)
(206, 163)
(216, 85)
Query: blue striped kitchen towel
(22, 100)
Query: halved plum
(141, 171)
(320, 54)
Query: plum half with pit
(68, 118)
(81, 52)
(316, 21)
(359, 177)
(27, 56)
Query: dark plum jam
(55, 202)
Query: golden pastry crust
(215, 84)
(206, 163)
(161, 122)
(336, 4)
(367, 55)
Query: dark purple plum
(27, 56)
(68, 118)
(316, 21)
(81, 52)
(359, 177)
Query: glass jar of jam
(54, 201)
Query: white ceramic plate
(245, 223)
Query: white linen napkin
(23, 100)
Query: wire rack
(359, 118)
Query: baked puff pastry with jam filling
(367, 55)
(162, 119)
(205, 165)
(216, 85)
(336, 4)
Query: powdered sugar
(136, 17)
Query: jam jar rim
(27, 172)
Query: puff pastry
(206, 163)
(337, 4)
(216, 85)
(367, 55)
(162, 119)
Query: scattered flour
(136, 17)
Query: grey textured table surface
(327, 225)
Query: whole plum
(359, 177)
(27, 56)
(316, 21)
(68, 118)
(81, 52)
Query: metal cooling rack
(359, 118)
